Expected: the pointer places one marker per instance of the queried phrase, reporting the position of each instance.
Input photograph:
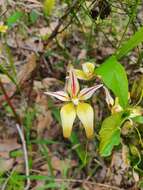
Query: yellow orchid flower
(3, 28)
(87, 71)
(75, 106)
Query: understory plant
(113, 79)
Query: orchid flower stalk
(75, 105)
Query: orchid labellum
(75, 105)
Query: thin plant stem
(27, 172)
(20, 134)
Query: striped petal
(73, 85)
(86, 93)
(108, 98)
(61, 95)
(88, 67)
(86, 116)
(68, 115)
(80, 74)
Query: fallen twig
(109, 187)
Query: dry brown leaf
(27, 69)
(42, 100)
(33, 44)
(39, 184)
(6, 164)
(37, 85)
(8, 145)
(34, 1)
(46, 31)
(87, 186)
(23, 75)
(47, 82)
(58, 164)
(82, 54)
(44, 121)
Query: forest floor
(35, 52)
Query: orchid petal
(86, 116)
(86, 93)
(88, 67)
(80, 74)
(73, 85)
(108, 98)
(68, 115)
(61, 95)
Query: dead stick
(88, 182)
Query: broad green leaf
(114, 76)
(130, 44)
(15, 17)
(48, 6)
(110, 134)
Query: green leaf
(4, 71)
(110, 134)
(56, 114)
(16, 153)
(14, 18)
(138, 119)
(48, 6)
(55, 111)
(80, 150)
(130, 44)
(33, 16)
(114, 76)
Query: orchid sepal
(81, 75)
(60, 95)
(86, 93)
(88, 67)
(85, 114)
(68, 115)
(72, 84)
